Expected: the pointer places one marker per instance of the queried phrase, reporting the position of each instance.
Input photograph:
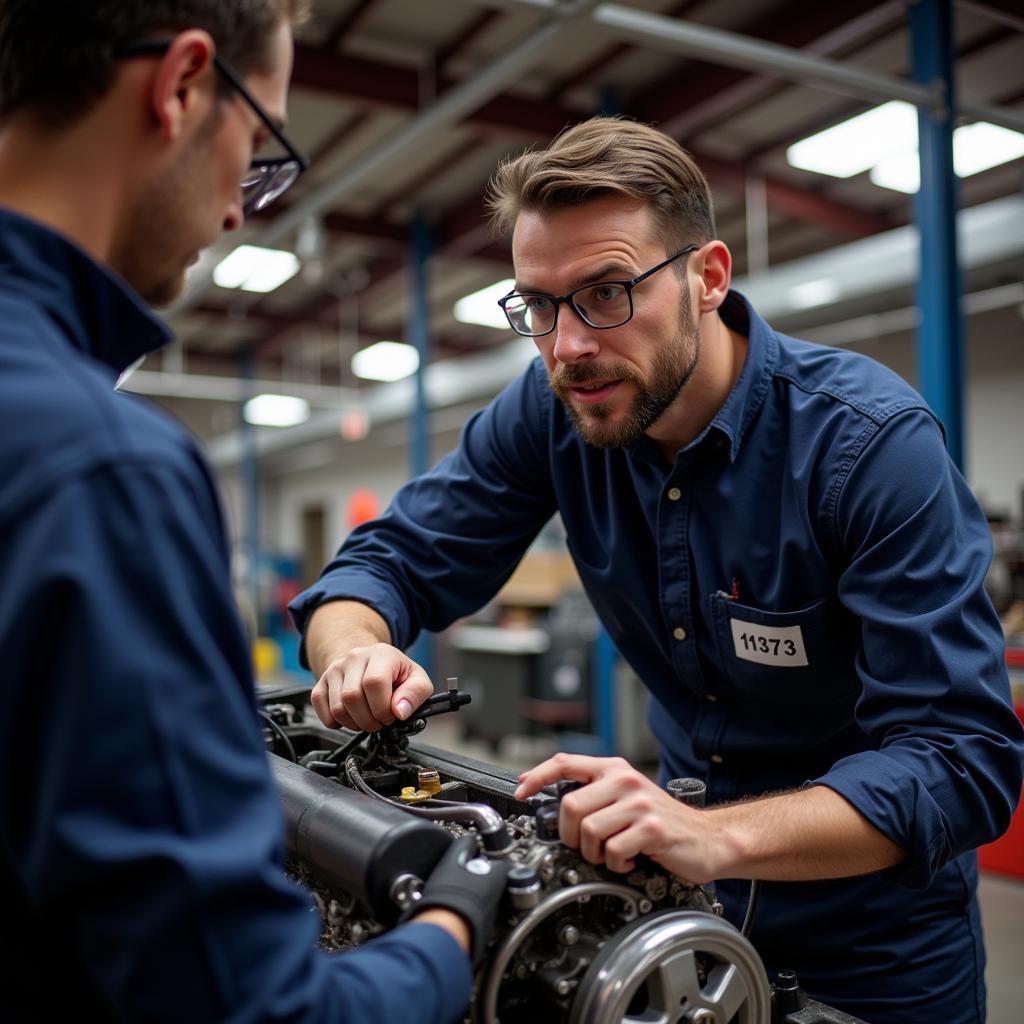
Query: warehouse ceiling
(406, 106)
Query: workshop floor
(1002, 897)
(1002, 915)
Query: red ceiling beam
(345, 23)
(375, 83)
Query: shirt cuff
(899, 805)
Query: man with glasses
(141, 840)
(777, 542)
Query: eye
(606, 292)
(537, 303)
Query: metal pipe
(234, 389)
(733, 50)
(484, 818)
(738, 51)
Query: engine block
(370, 816)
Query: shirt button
(711, 697)
(717, 759)
(679, 633)
(674, 494)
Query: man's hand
(364, 682)
(619, 814)
(467, 885)
(370, 687)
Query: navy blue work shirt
(801, 592)
(141, 837)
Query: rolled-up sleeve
(451, 538)
(945, 774)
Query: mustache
(567, 375)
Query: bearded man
(777, 542)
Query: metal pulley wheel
(676, 967)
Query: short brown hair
(57, 57)
(607, 156)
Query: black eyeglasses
(267, 177)
(603, 305)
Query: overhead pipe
(660, 32)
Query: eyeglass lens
(600, 305)
(263, 183)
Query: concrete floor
(1002, 915)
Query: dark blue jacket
(801, 592)
(141, 841)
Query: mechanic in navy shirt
(777, 542)
(141, 837)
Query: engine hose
(748, 918)
(487, 821)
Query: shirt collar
(98, 311)
(748, 393)
(731, 421)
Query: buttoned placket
(678, 611)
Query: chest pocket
(785, 658)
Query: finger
(411, 692)
(602, 835)
(330, 711)
(320, 703)
(347, 668)
(357, 708)
(382, 672)
(579, 807)
(572, 767)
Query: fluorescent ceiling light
(883, 141)
(901, 173)
(979, 146)
(813, 293)
(255, 270)
(387, 361)
(482, 307)
(976, 148)
(853, 146)
(276, 411)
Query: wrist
(337, 627)
(454, 924)
(733, 841)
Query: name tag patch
(781, 646)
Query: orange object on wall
(362, 506)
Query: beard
(671, 369)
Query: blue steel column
(418, 328)
(940, 333)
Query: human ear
(184, 83)
(713, 262)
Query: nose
(234, 218)
(574, 341)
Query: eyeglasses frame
(157, 47)
(568, 298)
